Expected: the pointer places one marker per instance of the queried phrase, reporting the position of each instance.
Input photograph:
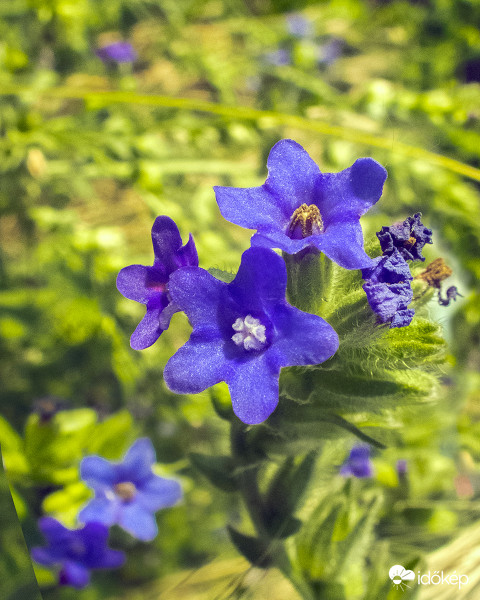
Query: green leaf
(224, 276)
(113, 436)
(253, 549)
(219, 470)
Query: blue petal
(278, 239)
(342, 242)
(138, 522)
(140, 283)
(199, 294)
(98, 473)
(55, 533)
(196, 366)
(301, 338)
(45, 556)
(138, 461)
(74, 574)
(100, 510)
(157, 493)
(187, 255)
(255, 207)
(347, 195)
(166, 242)
(254, 389)
(292, 176)
(148, 330)
(261, 278)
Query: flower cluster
(245, 331)
(387, 282)
(127, 493)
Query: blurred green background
(91, 153)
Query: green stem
(248, 471)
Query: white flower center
(250, 333)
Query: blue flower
(299, 26)
(128, 493)
(358, 463)
(388, 289)
(243, 333)
(76, 551)
(149, 285)
(299, 207)
(408, 238)
(120, 52)
(278, 58)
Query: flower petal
(254, 389)
(100, 510)
(148, 330)
(196, 366)
(138, 461)
(142, 284)
(157, 493)
(138, 522)
(343, 243)
(261, 278)
(347, 195)
(199, 294)
(302, 338)
(98, 473)
(74, 574)
(166, 242)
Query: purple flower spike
(128, 493)
(149, 285)
(76, 551)
(120, 52)
(299, 207)
(243, 333)
(358, 463)
(408, 238)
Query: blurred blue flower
(299, 26)
(149, 285)
(408, 237)
(299, 207)
(128, 493)
(243, 333)
(120, 52)
(76, 551)
(279, 58)
(402, 467)
(330, 51)
(388, 290)
(358, 463)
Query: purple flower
(243, 333)
(149, 285)
(408, 238)
(330, 51)
(120, 52)
(76, 551)
(278, 58)
(299, 207)
(299, 26)
(358, 463)
(388, 289)
(128, 493)
(402, 467)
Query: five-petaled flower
(76, 551)
(299, 207)
(358, 463)
(127, 493)
(388, 289)
(408, 237)
(120, 52)
(243, 333)
(149, 285)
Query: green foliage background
(90, 154)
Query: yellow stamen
(308, 218)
